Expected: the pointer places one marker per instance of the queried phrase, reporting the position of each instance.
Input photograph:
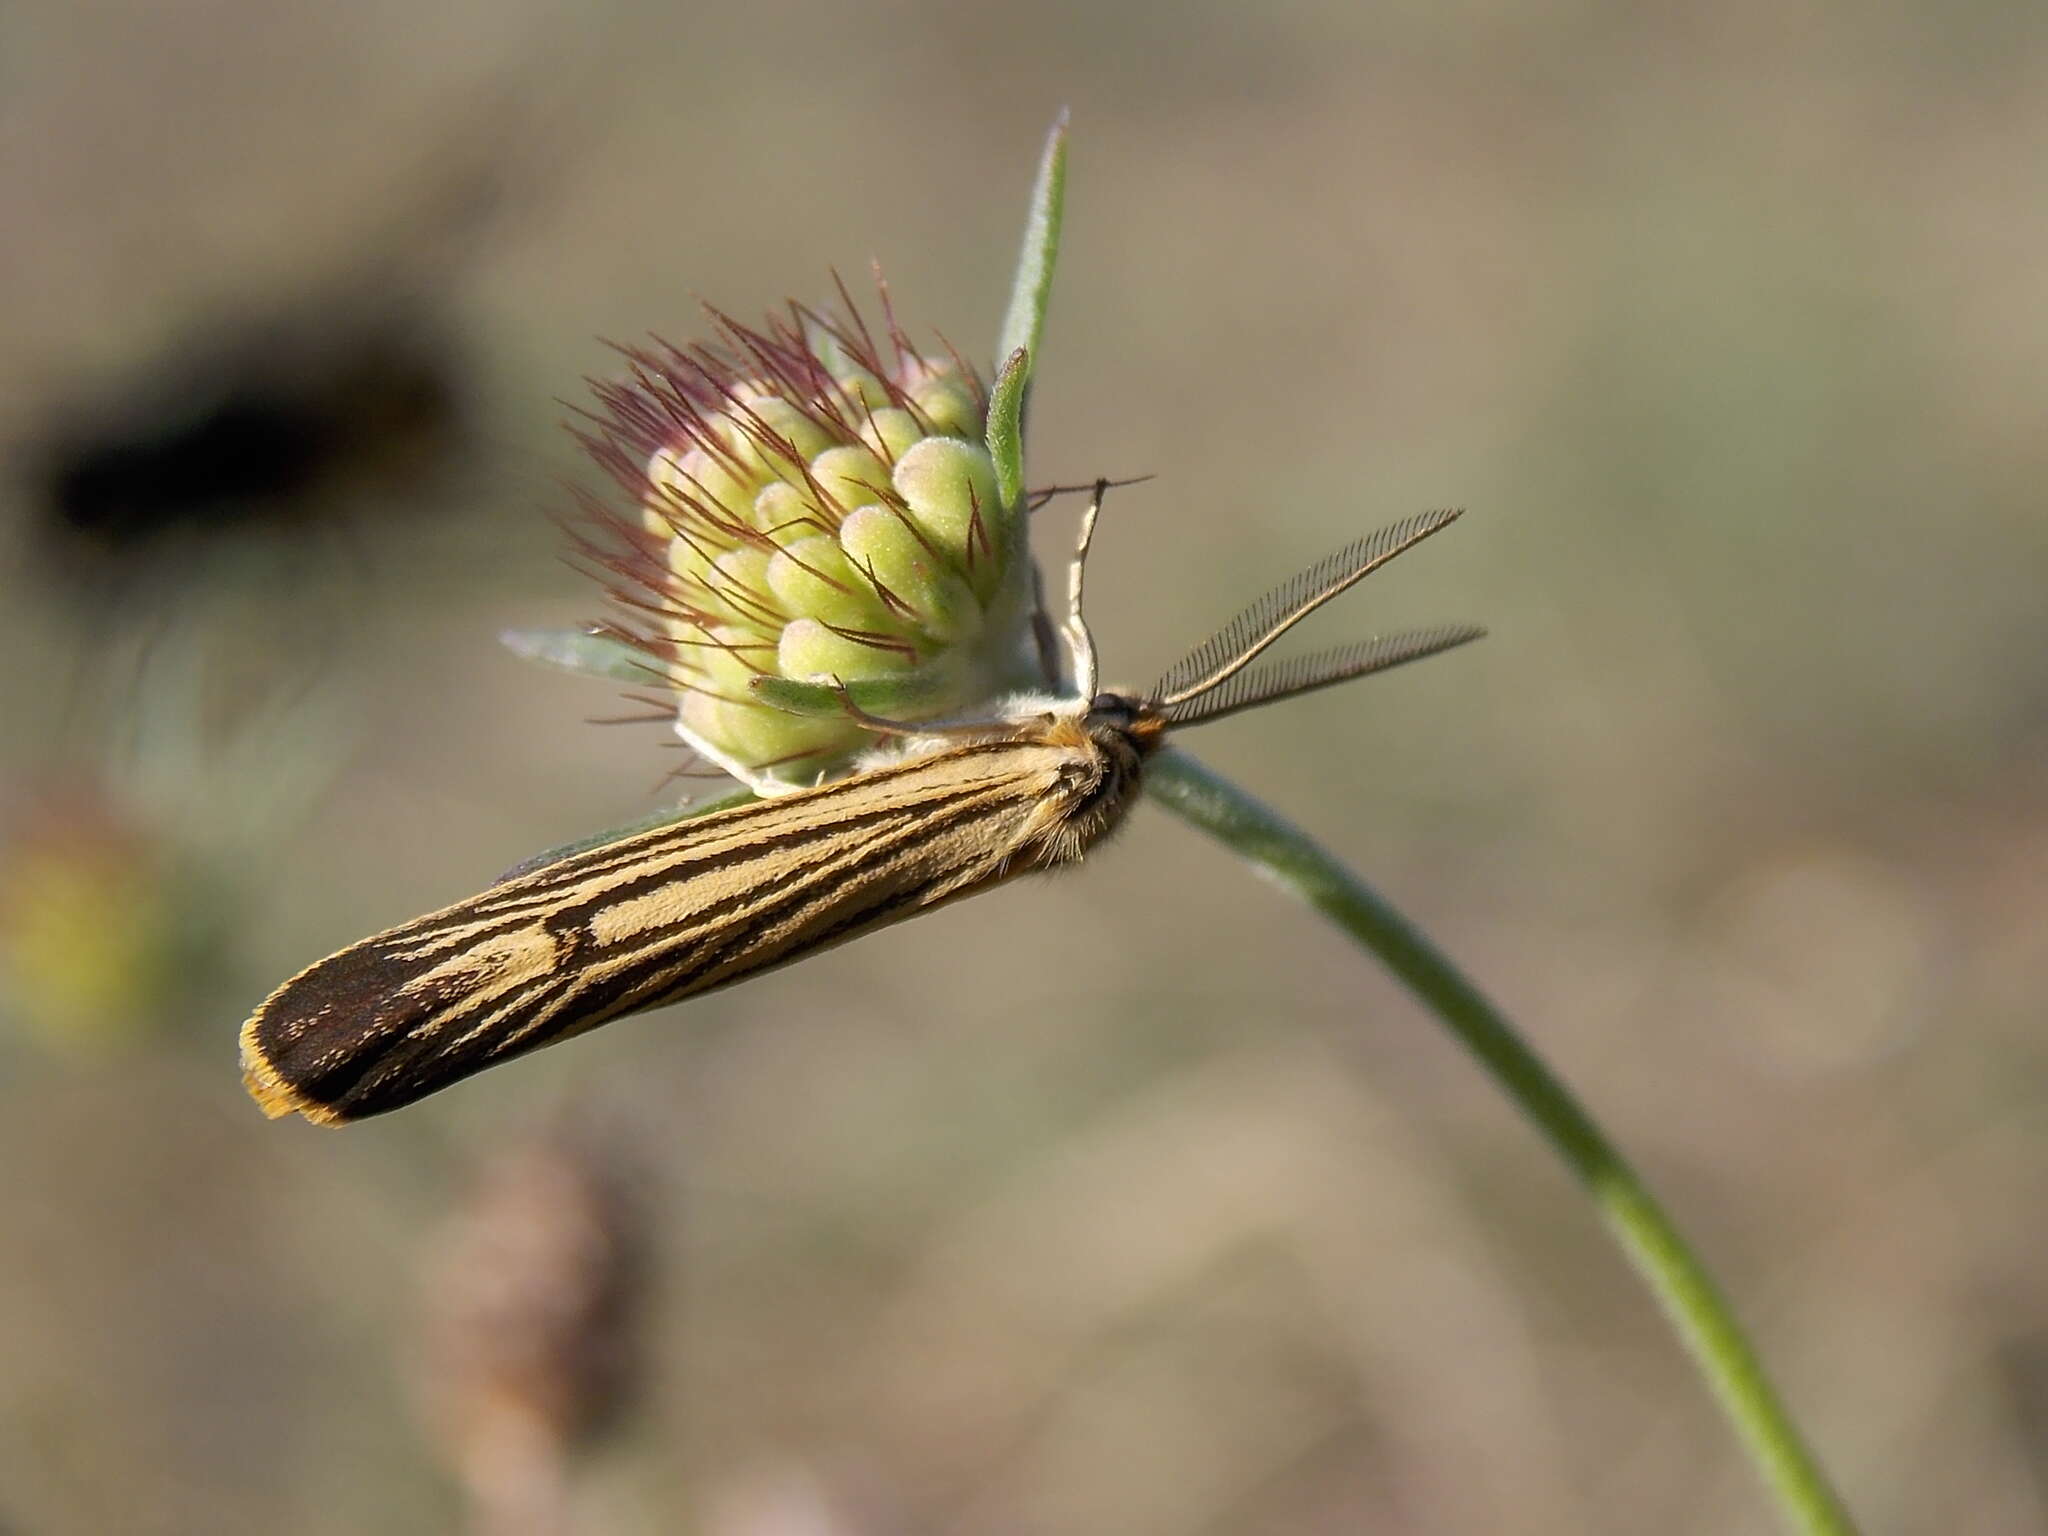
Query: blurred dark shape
(2022, 1368)
(255, 425)
(533, 1337)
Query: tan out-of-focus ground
(1130, 1202)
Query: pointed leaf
(1031, 288)
(1006, 432)
(590, 652)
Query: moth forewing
(672, 913)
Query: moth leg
(1079, 641)
(882, 726)
(1034, 500)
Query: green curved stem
(1675, 1275)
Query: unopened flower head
(817, 507)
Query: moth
(946, 809)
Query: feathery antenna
(1305, 674)
(1232, 648)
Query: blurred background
(1131, 1201)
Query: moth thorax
(1098, 778)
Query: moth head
(1125, 715)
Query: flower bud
(817, 508)
(949, 489)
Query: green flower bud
(783, 511)
(891, 431)
(949, 488)
(950, 408)
(887, 545)
(814, 577)
(736, 579)
(815, 509)
(752, 737)
(812, 652)
(769, 428)
(729, 658)
(851, 476)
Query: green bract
(815, 510)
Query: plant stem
(1684, 1290)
